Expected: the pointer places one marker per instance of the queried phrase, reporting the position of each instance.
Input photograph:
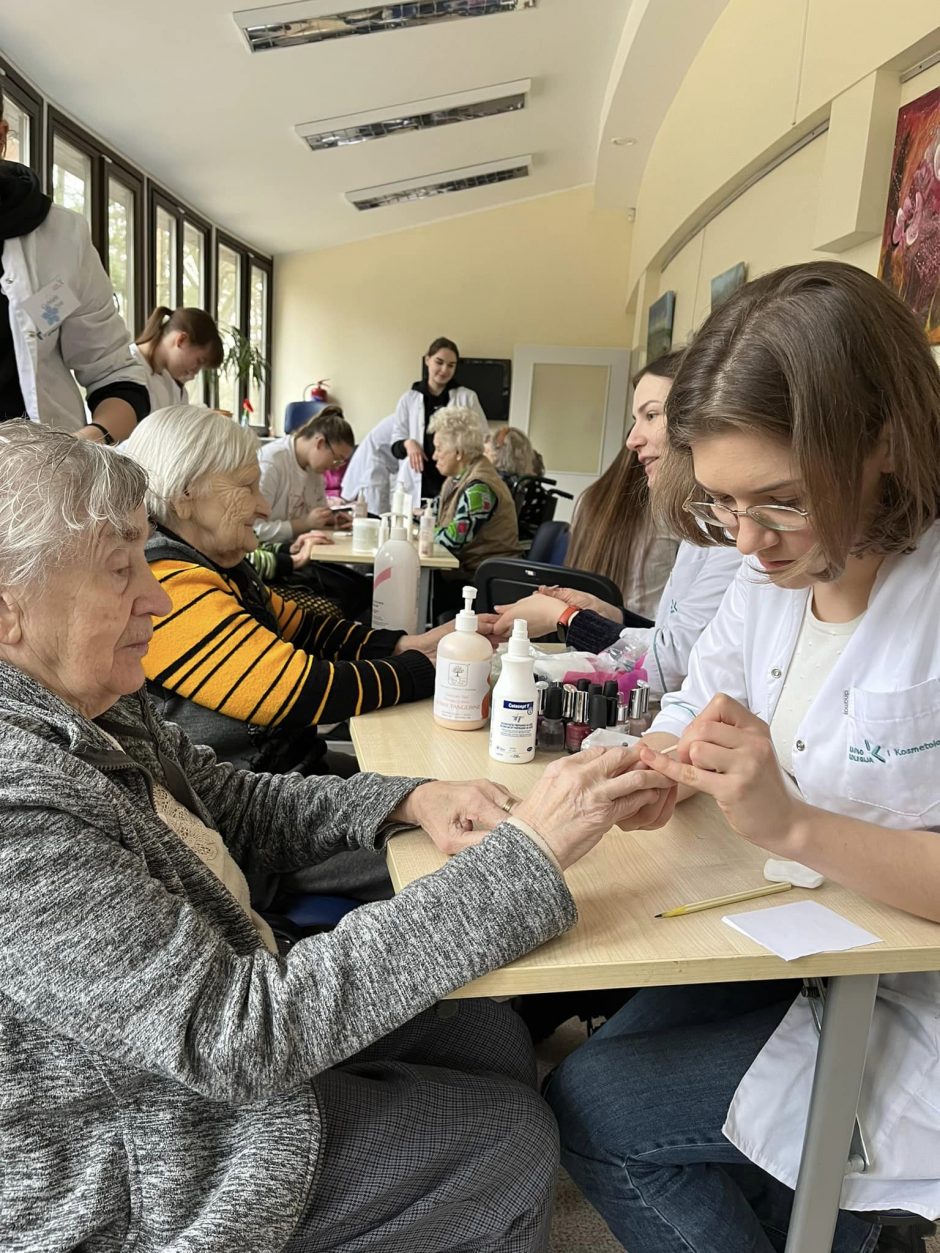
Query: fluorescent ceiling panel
(419, 115)
(314, 21)
(442, 184)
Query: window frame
(158, 196)
(248, 257)
(31, 102)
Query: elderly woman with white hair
(476, 516)
(168, 1079)
(238, 667)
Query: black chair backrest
(550, 543)
(503, 580)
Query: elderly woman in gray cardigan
(168, 1080)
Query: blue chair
(300, 411)
(550, 543)
(307, 914)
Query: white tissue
(778, 871)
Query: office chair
(503, 580)
(550, 543)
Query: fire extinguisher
(317, 391)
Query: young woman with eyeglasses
(292, 470)
(804, 428)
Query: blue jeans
(641, 1107)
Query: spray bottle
(426, 533)
(462, 682)
(395, 581)
(512, 725)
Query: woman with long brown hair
(174, 345)
(613, 531)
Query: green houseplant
(244, 362)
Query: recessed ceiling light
(442, 184)
(313, 21)
(419, 115)
(623, 141)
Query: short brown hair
(331, 423)
(825, 360)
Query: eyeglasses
(771, 517)
(337, 461)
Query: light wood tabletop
(627, 879)
(341, 550)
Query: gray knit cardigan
(157, 1064)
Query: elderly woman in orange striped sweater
(240, 669)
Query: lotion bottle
(462, 681)
(426, 531)
(360, 509)
(512, 725)
(395, 582)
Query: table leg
(424, 599)
(837, 1081)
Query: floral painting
(910, 245)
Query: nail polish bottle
(552, 727)
(612, 692)
(578, 727)
(623, 715)
(639, 720)
(541, 687)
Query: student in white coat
(693, 591)
(58, 318)
(804, 424)
(174, 345)
(372, 467)
(411, 444)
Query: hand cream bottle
(462, 681)
(512, 725)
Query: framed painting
(659, 326)
(722, 285)
(910, 244)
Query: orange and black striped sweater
(251, 674)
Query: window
(124, 231)
(23, 112)
(258, 318)
(194, 267)
(164, 266)
(71, 177)
(228, 314)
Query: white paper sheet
(800, 929)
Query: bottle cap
(519, 640)
(554, 701)
(571, 693)
(636, 702)
(596, 690)
(598, 710)
(644, 689)
(541, 687)
(580, 711)
(610, 687)
(467, 620)
(583, 685)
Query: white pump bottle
(513, 720)
(462, 681)
(395, 582)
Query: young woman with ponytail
(173, 347)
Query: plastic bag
(628, 652)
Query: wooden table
(619, 887)
(341, 551)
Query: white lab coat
(92, 341)
(163, 387)
(409, 424)
(868, 747)
(372, 467)
(690, 599)
(289, 490)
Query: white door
(572, 404)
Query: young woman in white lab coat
(804, 426)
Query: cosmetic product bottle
(395, 581)
(426, 530)
(597, 711)
(512, 723)
(623, 714)
(612, 692)
(640, 719)
(551, 735)
(462, 676)
(360, 509)
(579, 726)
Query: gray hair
(58, 494)
(459, 428)
(182, 446)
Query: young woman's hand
(540, 612)
(416, 457)
(579, 799)
(728, 753)
(584, 600)
(316, 519)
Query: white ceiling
(171, 85)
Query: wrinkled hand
(416, 457)
(728, 753)
(580, 798)
(301, 549)
(583, 600)
(448, 811)
(540, 612)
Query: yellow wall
(765, 76)
(547, 271)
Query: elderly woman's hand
(301, 550)
(448, 811)
(580, 798)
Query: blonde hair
(183, 445)
(459, 428)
